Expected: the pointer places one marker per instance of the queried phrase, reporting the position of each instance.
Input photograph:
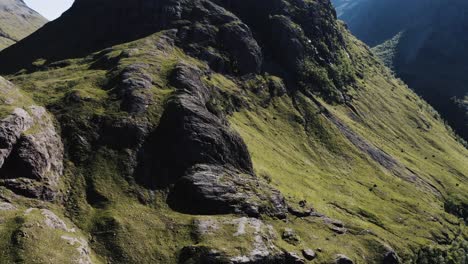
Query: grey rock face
(289, 47)
(342, 259)
(31, 153)
(188, 125)
(197, 254)
(219, 38)
(10, 131)
(134, 84)
(48, 221)
(391, 257)
(290, 236)
(123, 133)
(209, 189)
(309, 254)
(205, 161)
(240, 43)
(260, 236)
(293, 258)
(4, 206)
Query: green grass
(293, 145)
(319, 165)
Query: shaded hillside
(424, 42)
(220, 132)
(17, 21)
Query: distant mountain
(424, 42)
(17, 21)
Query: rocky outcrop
(309, 254)
(202, 160)
(206, 189)
(41, 221)
(391, 257)
(254, 232)
(342, 259)
(188, 125)
(239, 42)
(31, 151)
(133, 88)
(290, 237)
(11, 128)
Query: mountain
(17, 21)
(423, 41)
(218, 131)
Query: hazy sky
(51, 9)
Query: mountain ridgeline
(219, 131)
(424, 42)
(17, 21)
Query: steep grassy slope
(427, 52)
(17, 21)
(374, 163)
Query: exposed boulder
(122, 133)
(259, 237)
(4, 206)
(342, 259)
(239, 42)
(11, 128)
(309, 254)
(31, 152)
(391, 257)
(201, 254)
(209, 189)
(290, 236)
(41, 229)
(133, 88)
(51, 220)
(288, 38)
(293, 258)
(300, 211)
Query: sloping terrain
(424, 42)
(221, 132)
(17, 21)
